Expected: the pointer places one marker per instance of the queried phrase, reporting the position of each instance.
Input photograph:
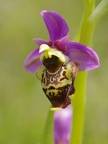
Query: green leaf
(47, 130)
(99, 12)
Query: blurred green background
(23, 106)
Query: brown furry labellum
(57, 80)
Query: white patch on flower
(48, 52)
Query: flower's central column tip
(43, 47)
(48, 52)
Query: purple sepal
(32, 62)
(86, 57)
(56, 25)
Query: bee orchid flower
(57, 61)
(62, 125)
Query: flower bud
(62, 125)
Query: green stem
(88, 7)
(86, 32)
(90, 19)
(79, 98)
(78, 101)
(78, 108)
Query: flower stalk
(90, 19)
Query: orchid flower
(57, 61)
(62, 125)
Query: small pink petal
(41, 41)
(61, 44)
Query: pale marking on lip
(55, 109)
